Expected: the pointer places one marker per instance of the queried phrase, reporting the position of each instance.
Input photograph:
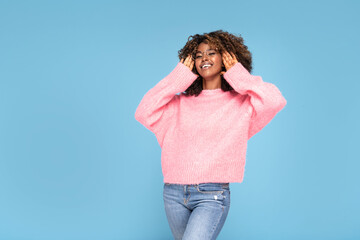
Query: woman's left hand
(228, 60)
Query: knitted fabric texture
(204, 138)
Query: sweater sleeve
(153, 112)
(265, 98)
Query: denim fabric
(196, 211)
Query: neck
(212, 83)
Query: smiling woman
(213, 48)
(203, 132)
(208, 64)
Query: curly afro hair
(223, 41)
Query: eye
(211, 52)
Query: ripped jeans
(196, 211)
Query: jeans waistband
(222, 184)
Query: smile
(206, 66)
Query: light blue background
(75, 164)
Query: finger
(230, 56)
(226, 60)
(234, 56)
(182, 60)
(223, 60)
(185, 61)
(227, 57)
(222, 73)
(188, 61)
(225, 54)
(188, 58)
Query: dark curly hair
(223, 41)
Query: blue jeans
(196, 211)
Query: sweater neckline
(211, 91)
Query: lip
(206, 67)
(206, 63)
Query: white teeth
(206, 66)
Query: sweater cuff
(182, 76)
(238, 71)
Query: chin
(209, 76)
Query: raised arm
(265, 98)
(152, 112)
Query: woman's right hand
(189, 62)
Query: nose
(204, 56)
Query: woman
(203, 131)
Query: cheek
(219, 64)
(219, 60)
(197, 68)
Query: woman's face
(208, 61)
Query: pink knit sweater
(204, 138)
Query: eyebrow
(205, 50)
